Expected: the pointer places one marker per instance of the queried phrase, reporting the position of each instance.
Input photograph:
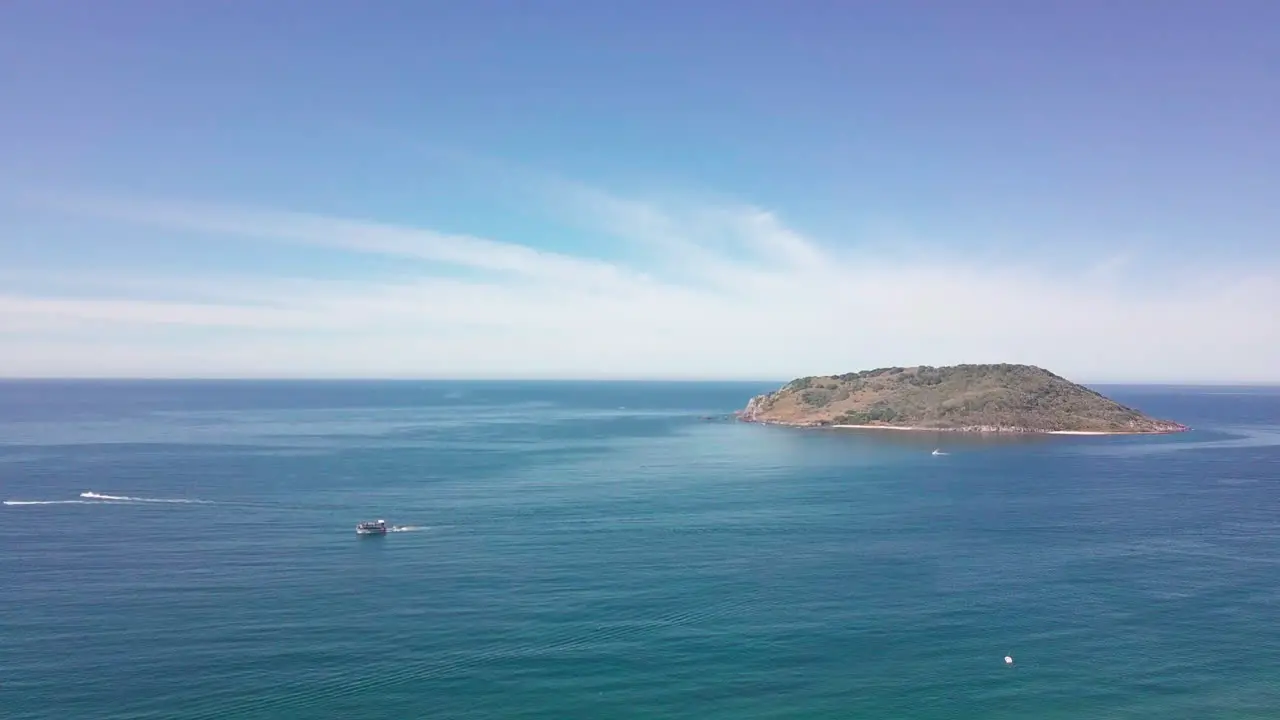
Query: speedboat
(377, 527)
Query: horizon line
(551, 379)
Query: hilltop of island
(960, 398)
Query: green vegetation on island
(970, 398)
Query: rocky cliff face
(963, 398)
(756, 409)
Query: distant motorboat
(376, 527)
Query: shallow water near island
(186, 550)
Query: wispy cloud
(345, 234)
(731, 291)
(26, 313)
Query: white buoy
(1008, 660)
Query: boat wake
(405, 528)
(128, 499)
(50, 502)
(93, 498)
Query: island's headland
(997, 398)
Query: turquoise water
(603, 551)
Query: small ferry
(377, 527)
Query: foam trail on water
(126, 498)
(49, 502)
(407, 528)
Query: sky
(661, 189)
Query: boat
(377, 527)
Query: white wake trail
(49, 502)
(125, 498)
(93, 498)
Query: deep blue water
(601, 551)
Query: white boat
(377, 527)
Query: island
(996, 398)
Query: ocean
(185, 550)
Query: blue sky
(639, 189)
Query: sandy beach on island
(909, 428)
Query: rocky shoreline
(980, 429)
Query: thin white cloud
(24, 313)
(741, 295)
(346, 234)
